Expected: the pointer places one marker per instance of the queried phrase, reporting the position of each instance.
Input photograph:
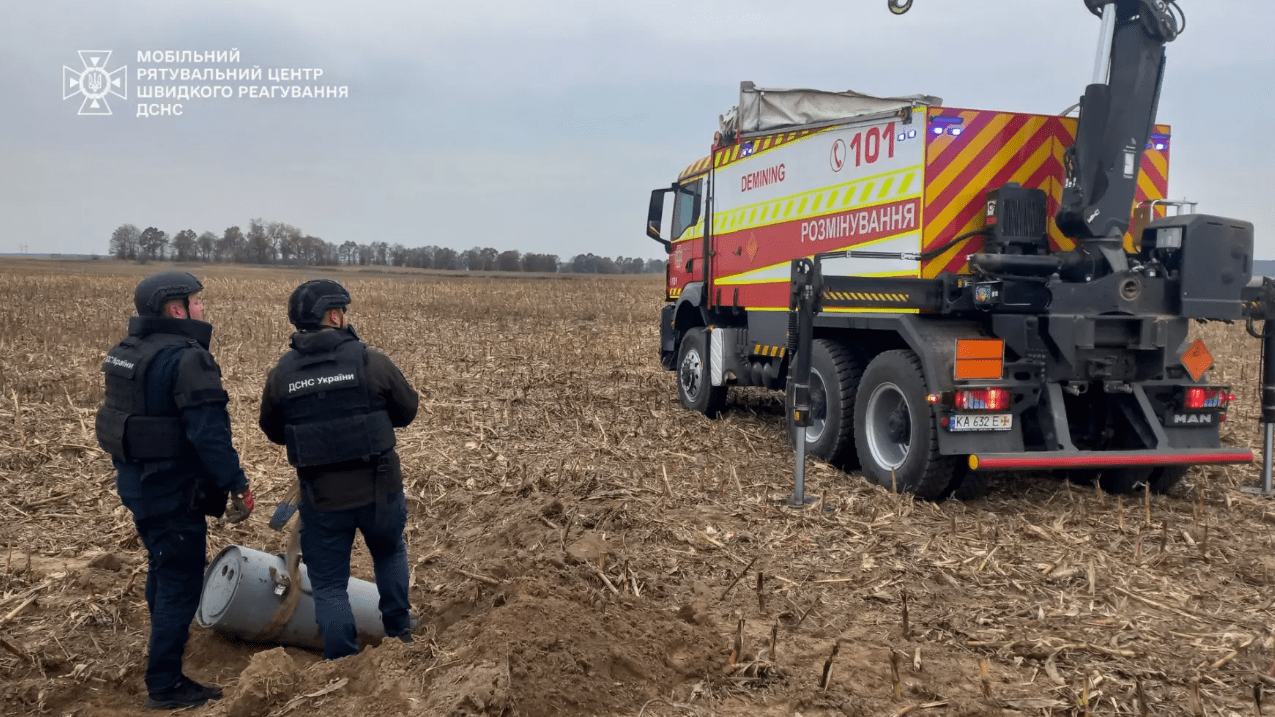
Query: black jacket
(349, 483)
(182, 380)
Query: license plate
(981, 422)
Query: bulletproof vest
(327, 407)
(124, 428)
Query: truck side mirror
(655, 217)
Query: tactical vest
(124, 428)
(327, 407)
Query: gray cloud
(543, 125)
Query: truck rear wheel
(695, 388)
(834, 380)
(895, 429)
(1128, 480)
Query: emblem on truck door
(838, 157)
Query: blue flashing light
(902, 136)
(954, 131)
(937, 130)
(911, 133)
(1160, 145)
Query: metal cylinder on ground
(241, 594)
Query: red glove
(241, 505)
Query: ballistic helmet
(313, 299)
(158, 289)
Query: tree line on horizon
(268, 242)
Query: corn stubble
(543, 406)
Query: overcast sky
(542, 125)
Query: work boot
(184, 693)
(404, 636)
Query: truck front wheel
(895, 429)
(695, 388)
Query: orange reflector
(979, 358)
(1197, 359)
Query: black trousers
(176, 549)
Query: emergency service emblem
(837, 158)
(94, 82)
(300, 385)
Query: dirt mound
(565, 657)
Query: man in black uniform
(164, 422)
(335, 403)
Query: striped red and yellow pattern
(696, 168)
(995, 148)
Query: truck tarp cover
(762, 110)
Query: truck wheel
(1128, 480)
(695, 388)
(1165, 477)
(834, 380)
(895, 429)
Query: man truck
(985, 290)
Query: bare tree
(261, 246)
(185, 247)
(398, 255)
(206, 243)
(509, 261)
(124, 242)
(232, 246)
(349, 252)
(446, 258)
(151, 244)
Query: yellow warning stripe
(864, 296)
(893, 186)
(772, 351)
(889, 186)
(695, 168)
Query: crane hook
(898, 7)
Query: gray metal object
(717, 356)
(1102, 61)
(241, 593)
(1266, 458)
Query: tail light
(982, 399)
(1197, 398)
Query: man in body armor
(334, 403)
(163, 421)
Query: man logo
(95, 83)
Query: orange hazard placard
(1197, 359)
(979, 359)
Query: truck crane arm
(1117, 113)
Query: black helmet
(310, 301)
(157, 289)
